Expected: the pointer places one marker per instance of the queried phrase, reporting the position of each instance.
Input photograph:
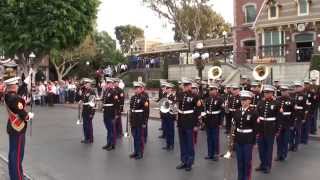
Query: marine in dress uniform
(169, 118)
(245, 84)
(268, 111)
(121, 97)
(277, 92)
(286, 122)
(245, 122)
(16, 128)
(315, 90)
(162, 94)
(213, 107)
(138, 104)
(196, 92)
(257, 95)
(88, 110)
(300, 115)
(110, 108)
(147, 114)
(187, 122)
(311, 105)
(233, 104)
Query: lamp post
(200, 60)
(225, 34)
(32, 56)
(189, 48)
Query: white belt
(137, 111)
(267, 119)
(232, 109)
(107, 105)
(213, 112)
(244, 130)
(252, 105)
(299, 107)
(186, 112)
(308, 103)
(286, 113)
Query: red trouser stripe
(18, 158)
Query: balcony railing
(273, 50)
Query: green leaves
(29, 25)
(126, 35)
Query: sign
(315, 74)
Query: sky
(113, 13)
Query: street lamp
(88, 63)
(189, 44)
(200, 61)
(225, 34)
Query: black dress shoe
(277, 159)
(215, 158)
(161, 137)
(85, 142)
(208, 158)
(166, 148)
(140, 156)
(188, 168)
(260, 168)
(106, 146)
(266, 171)
(181, 166)
(295, 149)
(110, 148)
(133, 155)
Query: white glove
(31, 115)
(91, 104)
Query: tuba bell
(260, 72)
(215, 72)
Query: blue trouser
(305, 130)
(213, 141)
(16, 154)
(283, 143)
(138, 140)
(244, 160)
(87, 126)
(119, 125)
(186, 146)
(313, 122)
(265, 146)
(145, 133)
(109, 123)
(168, 125)
(295, 136)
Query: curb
(5, 160)
(315, 137)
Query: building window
(250, 13)
(273, 11)
(273, 44)
(303, 7)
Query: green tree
(126, 35)
(190, 17)
(66, 60)
(42, 26)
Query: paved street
(54, 152)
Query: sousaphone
(214, 73)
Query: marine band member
(169, 118)
(286, 122)
(110, 107)
(213, 108)
(187, 122)
(16, 127)
(268, 111)
(138, 105)
(245, 121)
(87, 99)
